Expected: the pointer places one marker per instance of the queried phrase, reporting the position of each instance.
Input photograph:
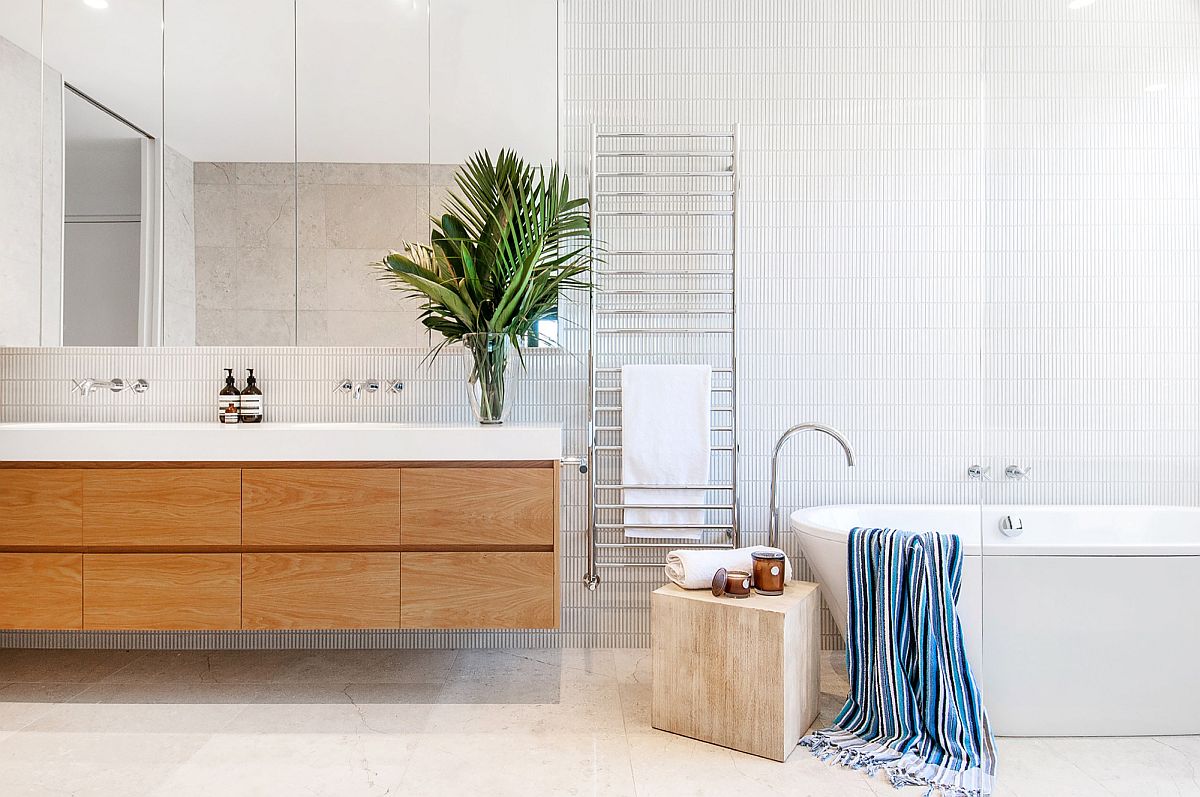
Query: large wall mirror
(216, 172)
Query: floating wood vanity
(307, 544)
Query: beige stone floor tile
(520, 764)
(22, 665)
(668, 765)
(204, 666)
(186, 708)
(289, 764)
(500, 693)
(22, 704)
(366, 666)
(600, 662)
(337, 709)
(128, 764)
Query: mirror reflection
(214, 172)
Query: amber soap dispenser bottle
(252, 400)
(229, 400)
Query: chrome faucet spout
(773, 536)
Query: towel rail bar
(611, 323)
(659, 546)
(600, 486)
(713, 507)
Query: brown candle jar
(769, 572)
(737, 584)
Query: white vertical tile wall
(969, 234)
(1091, 336)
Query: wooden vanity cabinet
(321, 507)
(162, 507)
(41, 506)
(217, 546)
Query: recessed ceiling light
(99, 5)
(1075, 5)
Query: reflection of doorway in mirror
(109, 251)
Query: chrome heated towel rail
(664, 211)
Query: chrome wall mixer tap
(356, 389)
(86, 387)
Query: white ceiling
(352, 81)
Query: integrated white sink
(273, 442)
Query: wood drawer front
(41, 590)
(162, 506)
(321, 506)
(477, 506)
(160, 591)
(320, 590)
(478, 590)
(41, 506)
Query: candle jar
(737, 584)
(769, 567)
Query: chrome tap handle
(140, 386)
(1016, 473)
(345, 386)
(979, 473)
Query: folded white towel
(695, 569)
(665, 418)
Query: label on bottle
(252, 406)
(228, 408)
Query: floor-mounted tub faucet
(773, 536)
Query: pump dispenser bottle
(252, 400)
(229, 400)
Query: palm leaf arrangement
(510, 240)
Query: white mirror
(216, 172)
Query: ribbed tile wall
(969, 234)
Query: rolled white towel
(692, 569)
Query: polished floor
(574, 722)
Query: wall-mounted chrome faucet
(356, 389)
(979, 473)
(87, 387)
(773, 536)
(1017, 473)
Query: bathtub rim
(990, 542)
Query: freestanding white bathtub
(1087, 623)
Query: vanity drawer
(478, 590)
(162, 507)
(41, 590)
(41, 506)
(478, 507)
(321, 506)
(161, 591)
(320, 590)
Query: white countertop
(274, 442)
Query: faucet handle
(1017, 473)
(979, 473)
(345, 386)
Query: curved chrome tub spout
(773, 536)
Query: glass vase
(491, 375)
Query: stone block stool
(743, 673)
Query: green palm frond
(510, 240)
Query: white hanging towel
(665, 439)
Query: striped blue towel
(913, 709)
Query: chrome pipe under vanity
(773, 536)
